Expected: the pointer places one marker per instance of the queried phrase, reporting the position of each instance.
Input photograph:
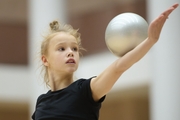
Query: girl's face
(63, 54)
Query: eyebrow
(61, 43)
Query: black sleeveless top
(74, 102)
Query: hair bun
(54, 25)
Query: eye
(61, 49)
(75, 49)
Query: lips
(71, 61)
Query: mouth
(70, 61)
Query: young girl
(81, 99)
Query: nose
(70, 53)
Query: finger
(168, 11)
(162, 18)
(175, 5)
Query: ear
(44, 60)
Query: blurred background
(149, 90)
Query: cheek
(55, 58)
(77, 57)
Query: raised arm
(103, 83)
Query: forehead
(63, 37)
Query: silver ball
(124, 32)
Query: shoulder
(83, 82)
(40, 98)
(85, 86)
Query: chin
(72, 70)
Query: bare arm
(103, 83)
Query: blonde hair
(55, 28)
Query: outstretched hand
(156, 26)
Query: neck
(58, 82)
